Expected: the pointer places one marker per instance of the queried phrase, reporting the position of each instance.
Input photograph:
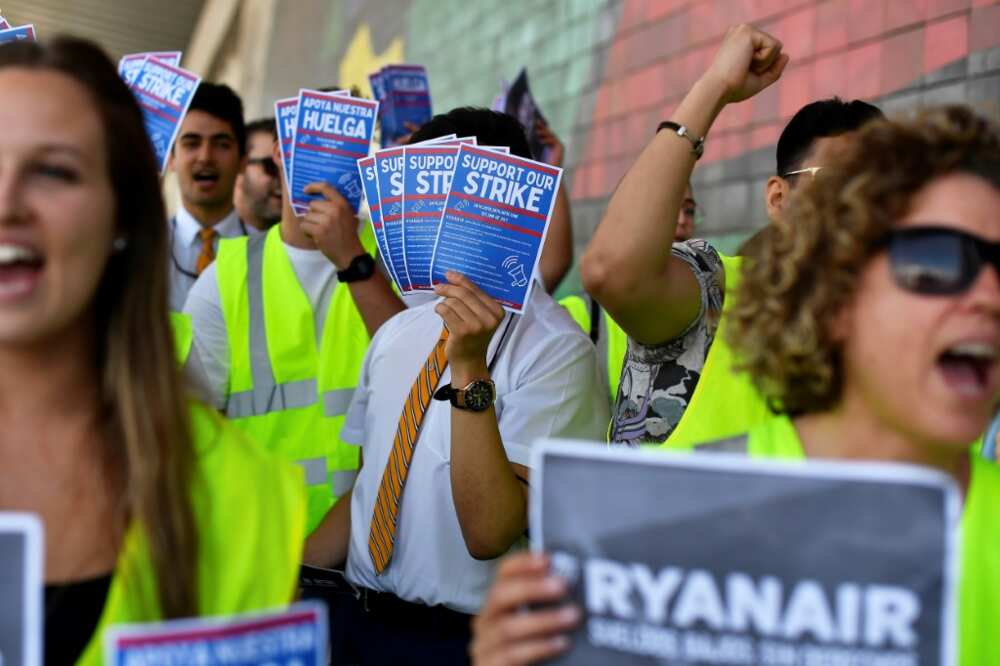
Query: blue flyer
(129, 65)
(389, 171)
(427, 172)
(164, 93)
(332, 132)
(408, 94)
(494, 224)
(3, 23)
(285, 111)
(18, 34)
(369, 182)
(294, 637)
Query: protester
(882, 286)
(281, 322)
(519, 378)
(671, 304)
(151, 504)
(257, 196)
(611, 341)
(208, 156)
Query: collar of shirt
(187, 227)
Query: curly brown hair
(805, 268)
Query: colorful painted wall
(607, 71)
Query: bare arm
(327, 545)
(490, 500)
(628, 265)
(557, 255)
(331, 224)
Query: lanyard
(173, 256)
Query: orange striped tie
(207, 255)
(383, 530)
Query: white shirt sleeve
(557, 396)
(354, 429)
(208, 364)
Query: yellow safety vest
(183, 335)
(611, 340)
(725, 402)
(249, 512)
(979, 585)
(289, 396)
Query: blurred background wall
(605, 72)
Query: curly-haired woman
(870, 317)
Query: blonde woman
(870, 317)
(152, 507)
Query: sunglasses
(812, 171)
(938, 260)
(265, 163)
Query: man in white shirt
(506, 382)
(207, 157)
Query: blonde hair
(805, 268)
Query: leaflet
(18, 34)
(297, 635)
(427, 172)
(406, 91)
(369, 182)
(129, 65)
(332, 132)
(3, 23)
(494, 224)
(164, 93)
(22, 553)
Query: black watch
(478, 396)
(361, 268)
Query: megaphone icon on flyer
(516, 270)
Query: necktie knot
(207, 255)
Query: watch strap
(697, 143)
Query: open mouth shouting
(971, 369)
(20, 269)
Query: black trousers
(381, 629)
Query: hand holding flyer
(332, 132)
(494, 224)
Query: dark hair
(825, 118)
(144, 405)
(262, 125)
(219, 100)
(491, 128)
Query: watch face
(366, 266)
(479, 396)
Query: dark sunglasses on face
(265, 163)
(938, 260)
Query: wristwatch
(361, 268)
(478, 396)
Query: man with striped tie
(451, 398)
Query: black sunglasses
(265, 163)
(938, 260)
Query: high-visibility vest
(724, 402)
(183, 335)
(979, 585)
(249, 541)
(286, 394)
(607, 335)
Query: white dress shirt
(547, 386)
(185, 246)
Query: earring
(119, 244)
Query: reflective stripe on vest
(286, 391)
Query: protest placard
(129, 65)
(21, 559)
(516, 100)
(18, 34)
(494, 224)
(724, 560)
(404, 91)
(427, 173)
(285, 111)
(296, 636)
(332, 132)
(369, 182)
(164, 93)
(389, 171)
